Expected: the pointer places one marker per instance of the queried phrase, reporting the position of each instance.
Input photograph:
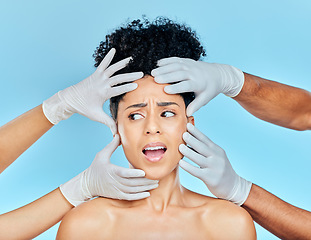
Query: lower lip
(155, 159)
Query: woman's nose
(152, 132)
(152, 127)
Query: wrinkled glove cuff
(54, 109)
(234, 79)
(74, 191)
(240, 192)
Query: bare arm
(278, 217)
(275, 102)
(31, 220)
(19, 134)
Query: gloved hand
(206, 80)
(105, 179)
(88, 96)
(214, 168)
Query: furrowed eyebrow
(160, 104)
(138, 105)
(164, 104)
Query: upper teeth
(154, 148)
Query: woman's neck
(169, 193)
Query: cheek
(129, 141)
(126, 132)
(175, 131)
(179, 129)
(125, 137)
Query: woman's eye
(135, 116)
(167, 114)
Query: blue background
(46, 46)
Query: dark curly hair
(147, 42)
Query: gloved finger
(192, 155)
(180, 87)
(169, 60)
(129, 173)
(135, 196)
(172, 77)
(200, 136)
(166, 69)
(138, 189)
(118, 90)
(197, 145)
(117, 66)
(106, 153)
(132, 182)
(195, 105)
(107, 60)
(126, 77)
(195, 171)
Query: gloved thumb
(195, 105)
(198, 102)
(106, 153)
(104, 118)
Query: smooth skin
(172, 211)
(19, 134)
(183, 215)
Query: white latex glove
(206, 80)
(214, 168)
(105, 179)
(88, 96)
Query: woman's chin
(156, 171)
(158, 174)
(154, 176)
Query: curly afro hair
(147, 42)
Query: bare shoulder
(225, 219)
(234, 219)
(87, 217)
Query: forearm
(278, 217)
(31, 220)
(19, 134)
(277, 103)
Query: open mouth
(154, 152)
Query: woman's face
(151, 124)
